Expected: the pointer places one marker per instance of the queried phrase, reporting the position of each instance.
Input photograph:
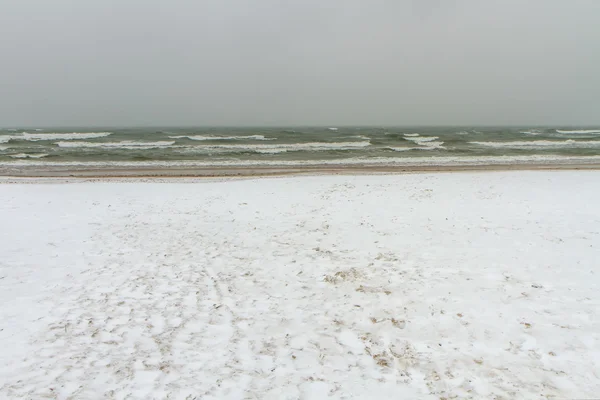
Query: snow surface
(430, 286)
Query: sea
(164, 147)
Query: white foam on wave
(61, 136)
(434, 146)
(34, 137)
(402, 148)
(275, 148)
(411, 134)
(391, 161)
(462, 133)
(116, 145)
(211, 137)
(421, 139)
(333, 129)
(428, 142)
(582, 131)
(532, 132)
(24, 155)
(570, 143)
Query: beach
(331, 284)
(191, 171)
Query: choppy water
(296, 146)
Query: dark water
(289, 146)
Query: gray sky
(301, 62)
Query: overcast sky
(301, 62)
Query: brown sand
(82, 172)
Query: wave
(62, 136)
(411, 134)
(435, 146)
(274, 148)
(540, 144)
(421, 139)
(532, 132)
(24, 155)
(223, 148)
(361, 137)
(582, 131)
(333, 129)
(210, 137)
(432, 145)
(391, 161)
(428, 142)
(401, 148)
(116, 145)
(34, 137)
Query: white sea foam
(24, 155)
(61, 136)
(391, 161)
(211, 137)
(116, 145)
(462, 133)
(421, 139)
(570, 143)
(34, 137)
(428, 142)
(271, 151)
(402, 148)
(411, 134)
(582, 131)
(434, 146)
(333, 129)
(532, 132)
(274, 148)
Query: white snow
(429, 286)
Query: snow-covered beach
(430, 286)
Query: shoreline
(266, 171)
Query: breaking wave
(361, 137)
(582, 131)
(116, 145)
(24, 155)
(35, 137)
(61, 136)
(428, 142)
(211, 137)
(275, 148)
(421, 139)
(541, 144)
